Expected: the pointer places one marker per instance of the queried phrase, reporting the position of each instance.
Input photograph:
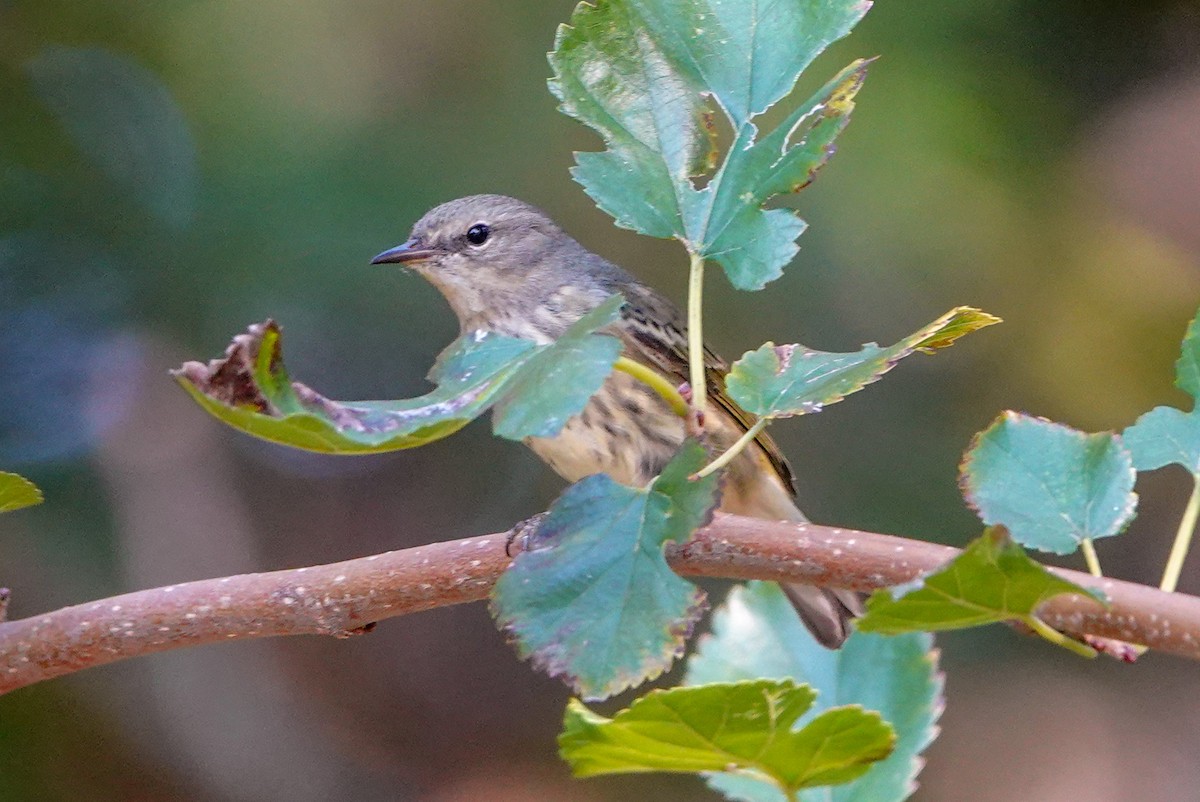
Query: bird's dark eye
(478, 233)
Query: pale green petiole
(696, 333)
(655, 381)
(1089, 556)
(1054, 636)
(735, 449)
(1183, 538)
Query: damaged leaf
(638, 73)
(778, 381)
(536, 388)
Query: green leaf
(992, 580)
(746, 728)
(594, 600)
(537, 388)
(1048, 484)
(638, 72)
(756, 634)
(17, 492)
(778, 381)
(124, 120)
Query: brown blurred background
(170, 172)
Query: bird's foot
(522, 537)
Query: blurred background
(170, 172)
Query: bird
(504, 266)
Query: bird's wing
(654, 334)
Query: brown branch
(347, 598)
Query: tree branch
(347, 598)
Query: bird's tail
(827, 612)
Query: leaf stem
(655, 381)
(735, 449)
(1090, 557)
(696, 331)
(1183, 539)
(1054, 636)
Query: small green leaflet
(992, 580)
(738, 728)
(778, 381)
(534, 387)
(1166, 435)
(756, 634)
(1187, 368)
(638, 72)
(17, 492)
(594, 601)
(1048, 484)
(125, 121)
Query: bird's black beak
(410, 251)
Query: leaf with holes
(593, 600)
(756, 634)
(778, 381)
(746, 729)
(1048, 484)
(638, 72)
(536, 388)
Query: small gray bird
(504, 266)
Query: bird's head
(481, 252)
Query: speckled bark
(343, 599)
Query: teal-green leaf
(992, 580)
(1166, 435)
(638, 72)
(536, 388)
(593, 600)
(742, 728)
(17, 492)
(1163, 436)
(1050, 485)
(778, 381)
(557, 380)
(124, 120)
(756, 634)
